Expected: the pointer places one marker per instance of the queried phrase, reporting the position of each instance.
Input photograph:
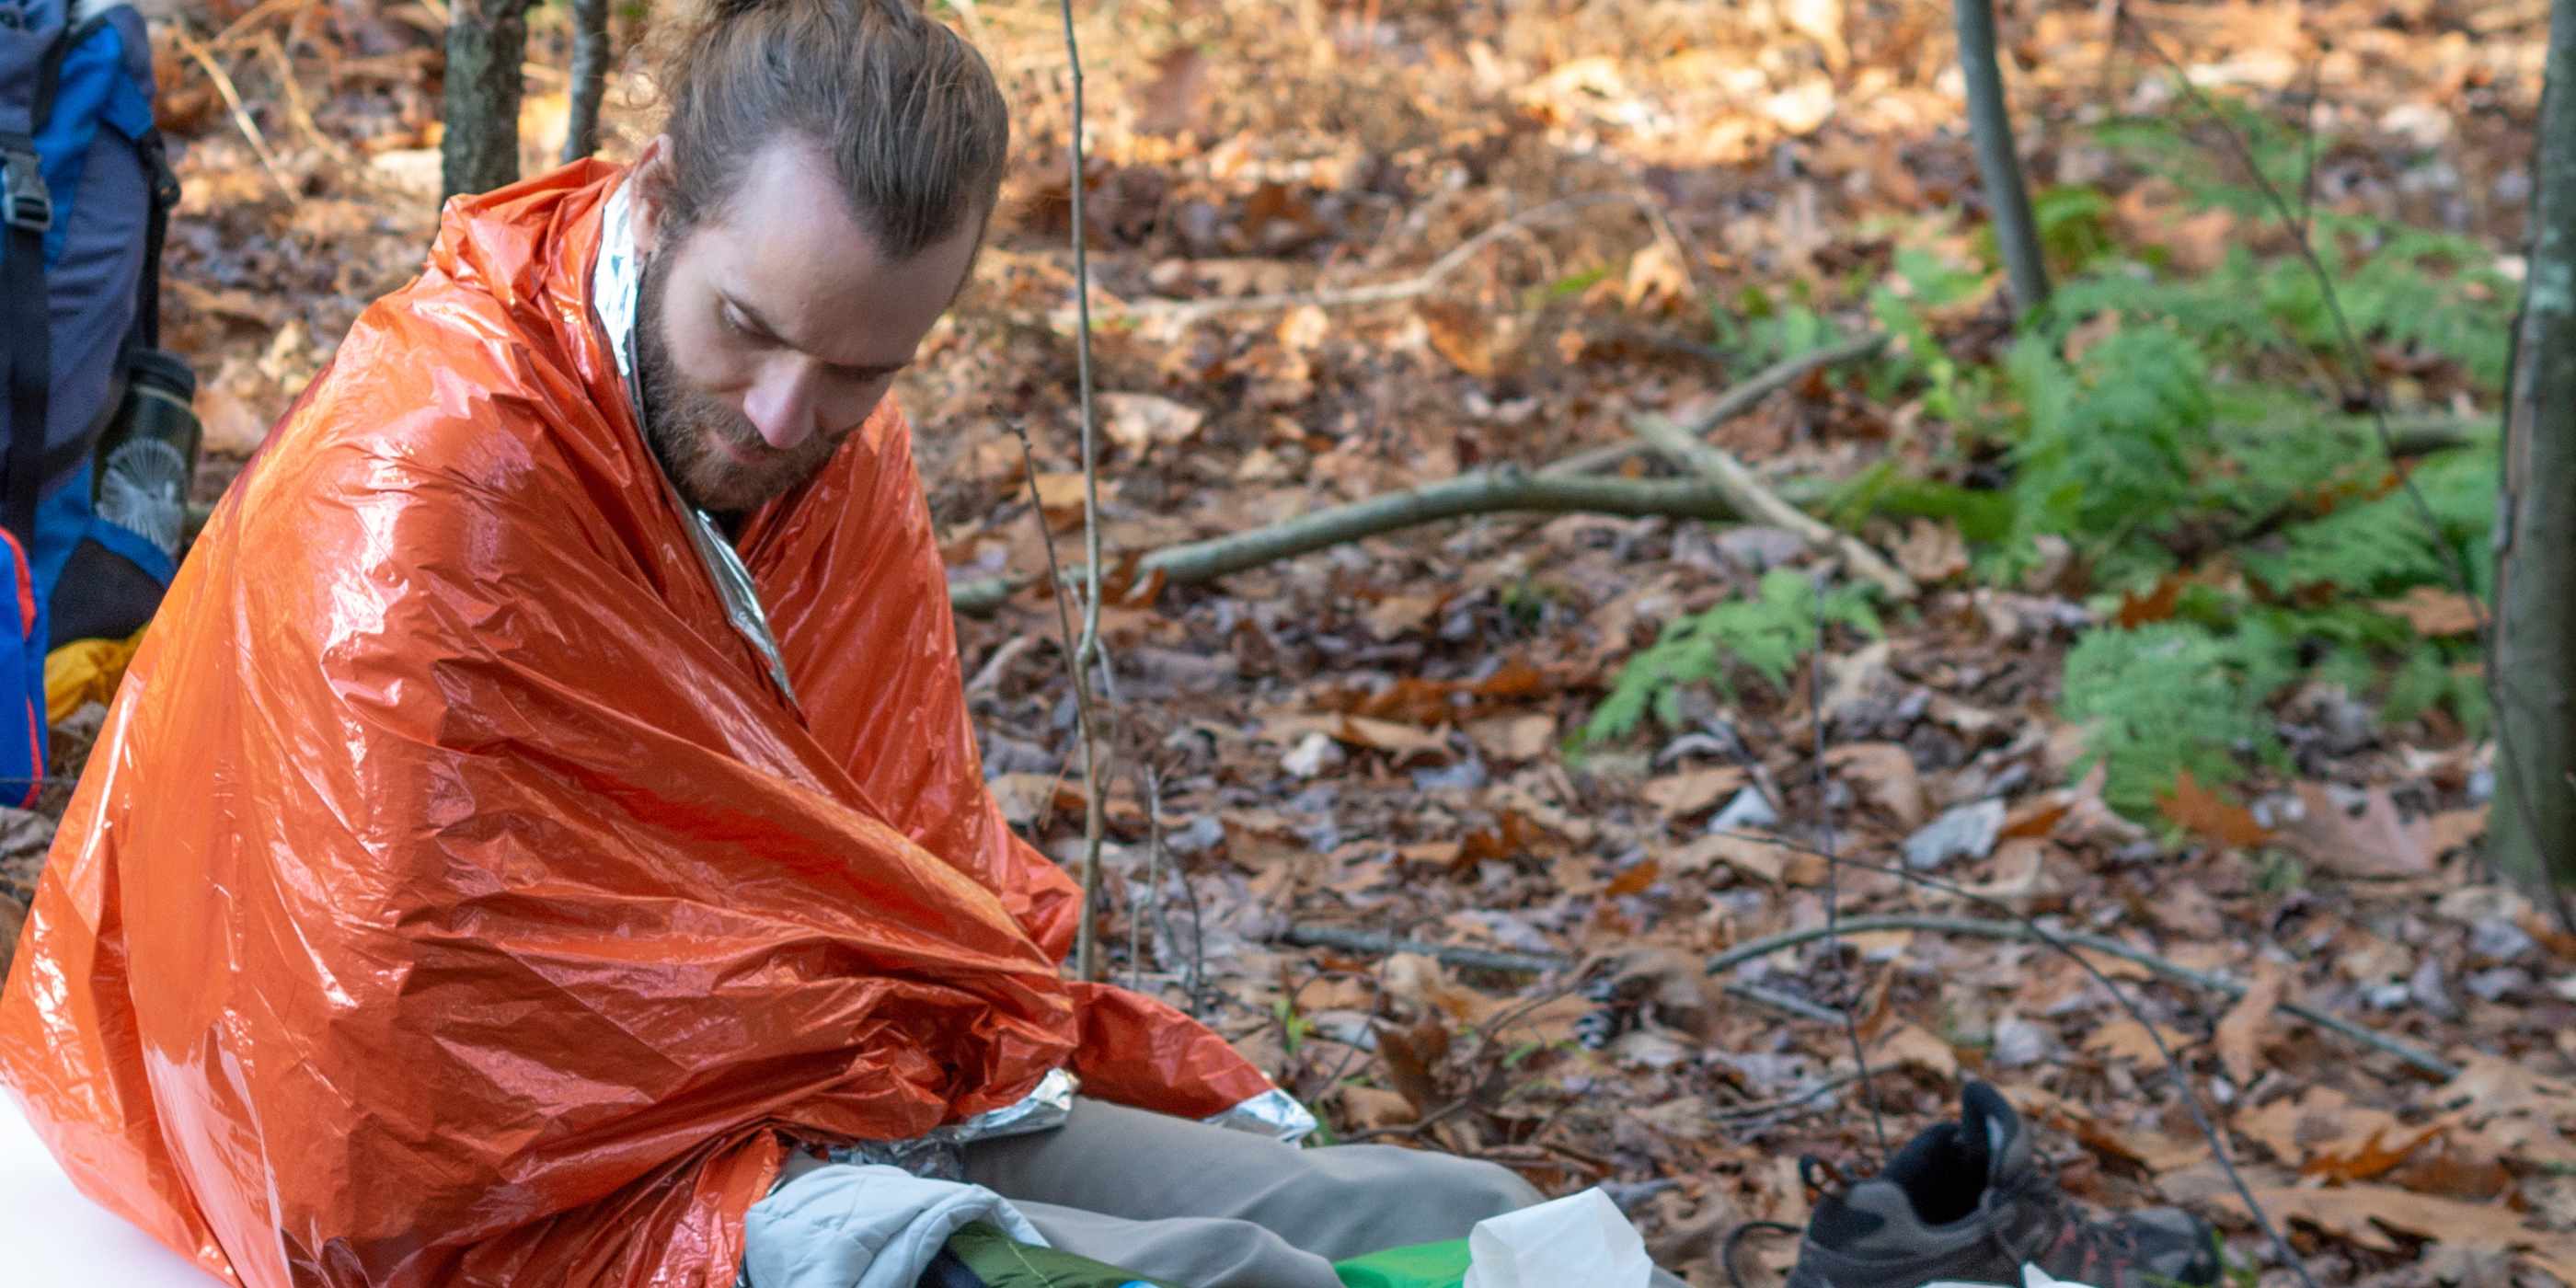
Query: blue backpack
(85, 192)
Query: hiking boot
(1966, 1200)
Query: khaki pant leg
(1336, 1202)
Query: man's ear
(652, 192)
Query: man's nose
(780, 404)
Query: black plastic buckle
(24, 202)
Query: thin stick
(1064, 624)
(1482, 492)
(241, 116)
(296, 108)
(1382, 293)
(1753, 500)
(2108, 947)
(1834, 879)
(1540, 963)
(1370, 941)
(240, 28)
(1087, 949)
(1557, 488)
(1731, 404)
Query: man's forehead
(786, 248)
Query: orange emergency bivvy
(453, 897)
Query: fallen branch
(1556, 488)
(1369, 941)
(1731, 404)
(1537, 963)
(2108, 947)
(1483, 492)
(1754, 501)
(241, 116)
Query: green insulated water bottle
(149, 453)
(144, 461)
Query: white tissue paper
(2031, 1277)
(1579, 1239)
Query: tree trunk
(589, 77)
(2533, 659)
(1990, 123)
(486, 42)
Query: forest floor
(1389, 736)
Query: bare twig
(1834, 882)
(1081, 681)
(1381, 293)
(990, 673)
(1540, 963)
(1087, 942)
(1753, 500)
(242, 28)
(1557, 488)
(2221, 984)
(1482, 492)
(1370, 941)
(1731, 404)
(297, 109)
(196, 50)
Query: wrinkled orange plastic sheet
(453, 898)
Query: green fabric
(1003, 1262)
(1422, 1265)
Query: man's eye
(733, 322)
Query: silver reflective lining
(939, 1154)
(616, 286)
(1273, 1113)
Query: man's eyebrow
(752, 319)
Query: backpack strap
(156, 229)
(26, 330)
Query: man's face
(768, 333)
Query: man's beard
(682, 423)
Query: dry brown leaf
(1744, 854)
(1398, 614)
(2246, 1024)
(230, 426)
(2155, 606)
(2358, 1213)
(2022, 875)
(1691, 792)
(1060, 496)
(2373, 843)
(1656, 279)
(1364, 1108)
(1138, 422)
(2156, 1151)
(2434, 612)
(2126, 1039)
(2199, 810)
(1932, 552)
(1472, 339)
(1911, 1044)
(1176, 99)
(1514, 738)
(1884, 773)
(2452, 829)
(1409, 1056)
